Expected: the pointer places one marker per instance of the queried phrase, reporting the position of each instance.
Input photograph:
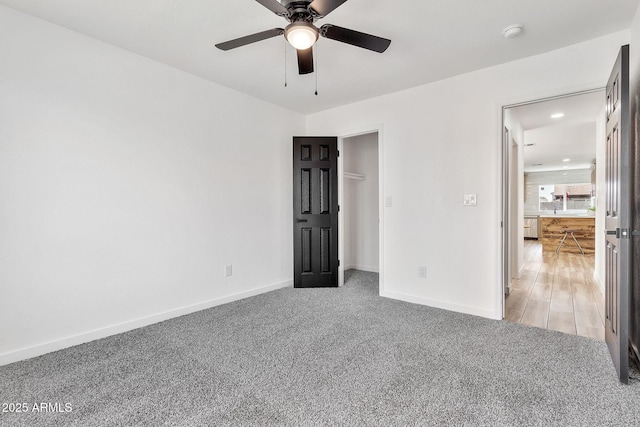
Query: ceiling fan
(302, 34)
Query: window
(565, 197)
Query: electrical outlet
(228, 270)
(388, 202)
(422, 272)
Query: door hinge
(338, 208)
(338, 153)
(338, 263)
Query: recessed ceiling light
(557, 115)
(566, 160)
(513, 31)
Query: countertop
(563, 215)
(566, 216)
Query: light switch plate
(470, 200)
(388, 202)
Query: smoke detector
(513, 31)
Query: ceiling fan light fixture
(301, 35)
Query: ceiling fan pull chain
(285, 62)
(316, 61)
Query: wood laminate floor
(557, 292)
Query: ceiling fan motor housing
(301, 32)
(300, 11)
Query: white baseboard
(442, 304)
(521, 270)
(508, 288)
(70, 341)
(371, 269)
(599, 282)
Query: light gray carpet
(345, 356)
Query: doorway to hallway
(551, 150)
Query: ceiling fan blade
(232, 44)
(305, 61)
(325, 7)
(356, 38)
(275, 7)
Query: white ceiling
(431, 40)
(548, 141)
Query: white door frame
(341, 138)
(505, 252)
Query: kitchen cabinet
(531, 227)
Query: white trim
(356, 176)
(507, 291)
(521, 271)
(341, 257)
(73, 340)
(521, 100)
(381, 195)
(442, 304)
(369, 268)
(599, 282)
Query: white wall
(601, 190)
(126, 187)
(360, 203)
(516, 206)
(443, 140)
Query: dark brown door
(315, 212)
(618, 215)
